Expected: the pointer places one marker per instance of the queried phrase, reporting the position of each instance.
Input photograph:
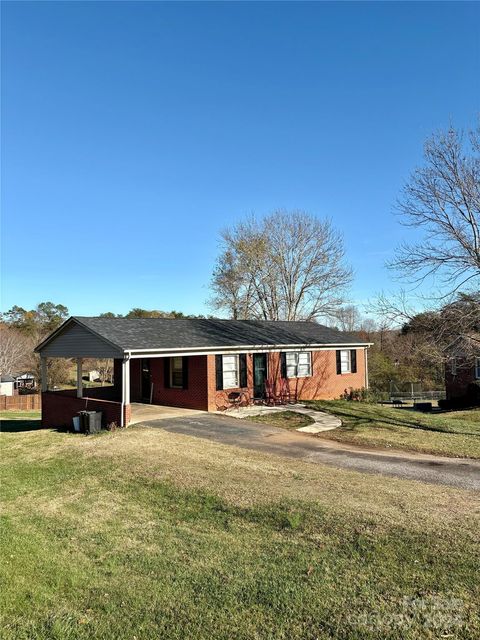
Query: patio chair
(238, 399)
(285, 395)
(272, 397)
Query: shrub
(363, 395)
(25, 391)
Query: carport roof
(149, 334)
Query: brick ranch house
(197, 363)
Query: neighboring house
(7, 385)
(462, 368)
(25, 381)
(199, 363)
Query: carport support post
(125, 387)
(79, 378)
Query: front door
(146, 379)
(259, 374)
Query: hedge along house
(198, 363)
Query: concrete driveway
(141, 412)
(461, 472)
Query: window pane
(230, 380)
(303, 370)
(345, 361)
(291, 358)
(176, 371)
(230, 372)
(304, 357)
(177, 379)
(230, 363)
(177, 363)
(291, 371)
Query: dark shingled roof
(168, 333)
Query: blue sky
(133, 132)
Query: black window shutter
(219, 372)
(166, 373)
(185, 360)
(339, 362)
(242, 358)
(283, 365)
(353, 360)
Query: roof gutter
(189, 351)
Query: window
(299, 364)
(230, 372)
(477, 368)
(454, 366)
(345, 361)
(176, 372)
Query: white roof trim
(159, 353)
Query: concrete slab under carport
(143, 412)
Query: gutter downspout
(125, 387)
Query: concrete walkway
(322, 421)
(461, 473)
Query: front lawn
(454, 433)
(147, 534)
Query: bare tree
(435, 329)
(15, 350)
(348, 318)
(442, 198)
(288, 266)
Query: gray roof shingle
(168, 333)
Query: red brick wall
(195, 397)
(218, 400)
(136, 380)
(59, 408)
(202, 393)
(102, 393)
(324, 384)
(457, 385)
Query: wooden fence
(30, 402)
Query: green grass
(284, 419)
(147, 534)
(454, 433)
